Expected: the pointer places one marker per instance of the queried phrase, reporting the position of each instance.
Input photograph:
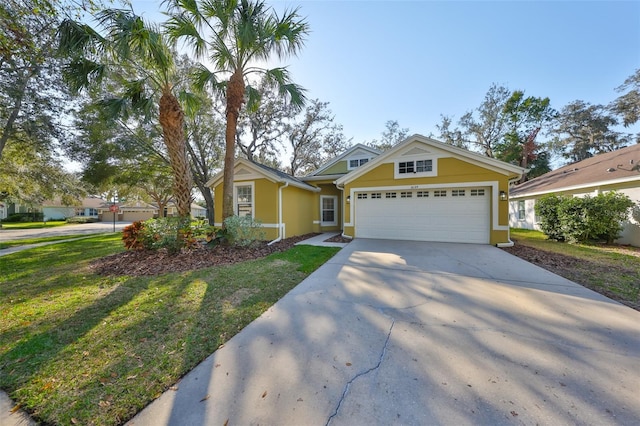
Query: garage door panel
(443, 219)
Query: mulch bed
(338, 238)
(156, 262)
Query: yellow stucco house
(421, 189)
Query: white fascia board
(342, 156)
(486, 162)
(593, 185)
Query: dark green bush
(547, 210)
(582, 219)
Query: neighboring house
(612, 171)
(56, 210)
(421, 189)
(131, 211)
(196, 210)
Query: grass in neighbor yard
(78, 348)
(33, 225)
(612, 270)
(24, 242)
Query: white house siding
(529, 221)
(630, 233)
(58, 213)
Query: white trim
(594, 185)
(374, 152)
(316, 222)
(432, 173)
(236, 185)
(281, 233)
(357, 158)
(482, 161)
(495, 197)
(335, 210)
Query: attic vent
(611, 169)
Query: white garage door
(459, 215)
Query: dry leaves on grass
(156, 262)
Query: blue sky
(412, 61)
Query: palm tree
(235, 36)
(142, 58)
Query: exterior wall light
(503, 196)
(348, 198)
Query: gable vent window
(406, 194)
(440, 193)
(390, 195)
(362, 196)
(419, 166)
(357, 162)
(477, 192)
(422, 194)
(457, 192)
(376, 195)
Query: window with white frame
(244, 200)
(376, 195)
(457, 192)
(328, 208)
(419, 166)
(477, 192)
(354, 163)
(522, 215)
(441, 193)
(390, 195)
(362, 196)
(406, 194)
(422, 194)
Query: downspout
(280, 224)
(344, 211)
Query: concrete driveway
(411, 333)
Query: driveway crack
(375, 367)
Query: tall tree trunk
(8, 127)
(172, 122)
(208, 198)
(235, 97)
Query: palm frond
(191, 103)
(254, 96)
(202, 77)
(82, 73)
(279, 77)
(183, 26)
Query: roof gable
(622, 165)
(418, 145)
(356, 151)
(246, 170)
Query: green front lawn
(78, 348)
(33, 225)
(612, 270)
(27, 241)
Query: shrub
(24, 217)
(243, 231)
(547, 210)
(171, 233)
(581, 219)
(132, 236)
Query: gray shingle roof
(622, 164)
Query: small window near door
(442, 193)
(477, 192)
(328, 206)
(389, 195)
(422, 194)
(362, 196)
(404, 194)
(244, 201)
(457, 192)
(521, 210)
(376, 195)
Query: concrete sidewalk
(397, 332)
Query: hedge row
(582, 219)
